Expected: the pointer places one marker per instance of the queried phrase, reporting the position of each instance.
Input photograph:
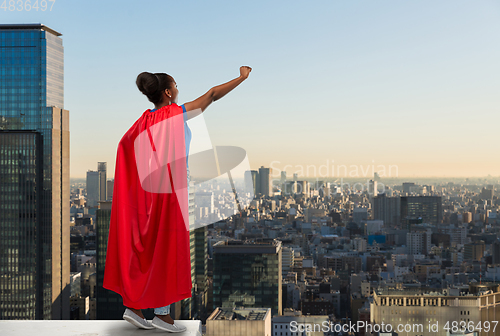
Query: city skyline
(412, 85)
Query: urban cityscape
(376, 254)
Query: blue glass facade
(248, 274)
(20, 214)
(32, 99)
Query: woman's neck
(159, 106)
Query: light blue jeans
(166, 310)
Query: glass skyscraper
(34, 175)
(248, 274)
(109, 304)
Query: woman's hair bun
(152, 85)
(147, 83)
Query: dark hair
(152, 85)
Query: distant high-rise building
(92, 188)
(372, 188)
(302, 187)
(109, 189)
(200, 256)
(295, 177)
(109, 304)
(188, 305)
(359, 215)
(287, 260)
(429, 208)
(467, 217)
(290, 187)
(487, 193)
(101, 169)
(255, 181)
(249, 179)
(419, 242)
(34, 183)
(407, 186)
(97, 185)
(266, 183)
(248, 275)
(387, 209)
(474, 250)
(495, 252)
(283, 177)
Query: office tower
(429, 208)
(92, 188)
(34, 152)
(374, 227)
(487, 193)
(495, 252)
(287, 260)
(302, 187)
(360, 215)
(407, 186)
(290, 187)
(200, 282)
(474, 250)
(419, 242)
(249, 179)
(109, 189)
(376, 176)
(324, 190)
(195, 307)
(101, 169)
(467, 217)
(109, 303)
(457, 235)
(266, 183)
(295, 176)
(283, 177)
(372, 188)
(97, 185)
(387, 209)
(359, 244)
(255, 181)
(248, 274)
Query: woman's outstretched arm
(216, 93)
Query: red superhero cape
(148, 254)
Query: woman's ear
(167, 92)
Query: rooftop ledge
(88, 328)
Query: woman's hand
(245, 71)
(216, 93)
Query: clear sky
(408, 84)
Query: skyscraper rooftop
(30, 26)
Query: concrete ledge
(88, 328)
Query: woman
(148, 256)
